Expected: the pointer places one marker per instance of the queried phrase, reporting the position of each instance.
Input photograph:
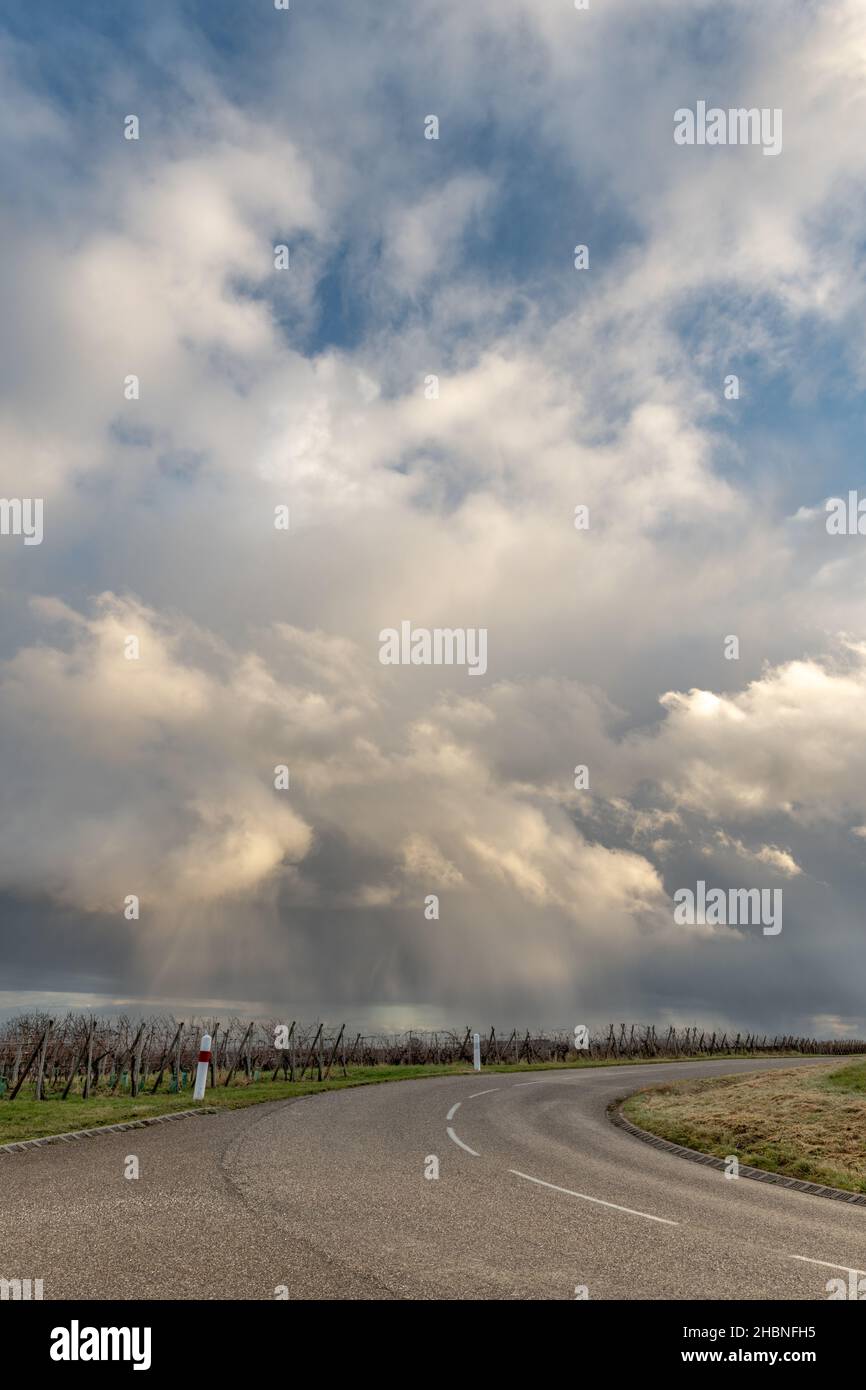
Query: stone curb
(836, 1194)
(97, 1130)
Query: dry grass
(809, 1123)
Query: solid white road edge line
(663, 1220)
(457, 1140)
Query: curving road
(327, 1197)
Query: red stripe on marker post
(202, 1069)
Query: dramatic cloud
(439, 399)
(788, 745)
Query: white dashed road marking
(663, 1220)
(630, 1211)
(827, 1264)
(457, 1140)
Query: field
(808, 1124)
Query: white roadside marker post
(201, 1070)
(476, 1051)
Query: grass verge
(26, 1118)
(808, 1124)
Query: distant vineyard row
(88, 1055)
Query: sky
(431, 387)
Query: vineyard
(86, 1056)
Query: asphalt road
(537, 1194)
